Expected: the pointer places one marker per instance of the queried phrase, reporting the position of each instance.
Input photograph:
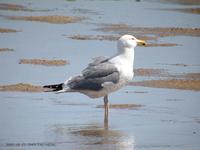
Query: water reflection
(95, 136)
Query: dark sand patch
(91, 131)
(183, 2)
(96, 131)
(137, 92)
(6, 50)
(44, 62)
(115, 38)
(186, 76)
(21, 87)
(160, 44)
(102, 137)
(191, 76)
(13, 7)
(155, 31)
(73, 104)
(178, 65)
(121, 106)
(150, 72)
(97, 37)
(171, 84)
(106, 37)
(85, 11)
(55, 19)
(70, 103)
(174, 100)
(184, 10)
(164, 73)
(6, 30)
(197, 120)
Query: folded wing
(95, 75)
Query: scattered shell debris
(44, 62)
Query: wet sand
(92, 37)
(171, 84)
(21, 87)
(54, 19)
(156, 31)
(183, 2)
(13, 7)
(150, 72)
(115, 38)
(122, 106)
(6, 30)
(6, 50)
(184, 10)
(106, 37)
(94, 135)
(44, 62)
(161, 44)
(95, 131)
(177, 65)
(194, 76)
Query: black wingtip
(54, 87)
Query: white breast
(124, 66)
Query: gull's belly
(109, 88)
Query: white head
(129, 42)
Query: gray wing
(98, 60)
(94, 76)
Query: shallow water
(168, 118)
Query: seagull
(104, 75)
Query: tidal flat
(46, 42)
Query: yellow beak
(141, 42)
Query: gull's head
(129, 41)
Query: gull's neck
(124, 54)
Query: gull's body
(104, 75)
